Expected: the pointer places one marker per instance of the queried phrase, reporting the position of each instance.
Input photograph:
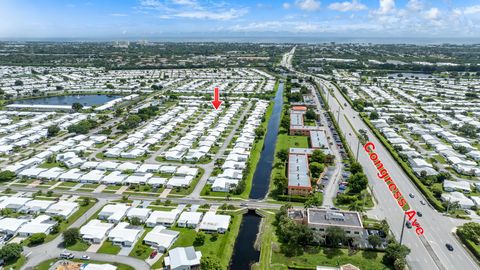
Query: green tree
(357, 182)
(317, 156)
(77, 106)
(310, 114)
(85, 201)
(313, 200)
(53, 130)
(355, 167)
(259, 132)
(6, 176)
(210, 263)
(70, 236)
(280, 182)
(400, 264)
(374, 240)
(373, 115)
(395, 251)
(470, 231)
(316, 169)
(334, 236)
(36, 238)
(199, 239)
(135, 221)
(468, 130)
(282, 154)
(11, 251)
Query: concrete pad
(152, 261)
(56, 185)
(165, 193)
(12, 182)
(121, 190)
(95, 247)
(77, 186)
(34, 184)
(100, 188)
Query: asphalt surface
(428, 251)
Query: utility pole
(403, 228)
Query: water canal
(244, 253)
(261, 177)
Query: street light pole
(403, 228)
(358, 148)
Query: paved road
(330, 191)
(427, 253)
(52, 249)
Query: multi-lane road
(428, 251)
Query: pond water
(86, 100)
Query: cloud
(192, 9)
(308, 5)
(215, 15)
(286, 5)
(185, 2)
(386, 6)
(415, 5)
(432, 14)
(472, 10)
(347, 6)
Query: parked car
(449, 247)
(419, 214)
(153, 254)
(408, 224)
(66, 255)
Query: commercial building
(299, 182)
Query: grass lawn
(221, 248)
(267, 237)
(140, 250)
(47, 165)
(109, 248)
(68, 184)
(45, 265)
(79, 246)
(370, 260)
(17, 264)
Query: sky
(123, 19)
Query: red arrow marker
(216, 102)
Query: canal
(87, 100)
(244, 252)
(261, 177)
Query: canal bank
(261, 177)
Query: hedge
(470, 245)
(292, 198)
